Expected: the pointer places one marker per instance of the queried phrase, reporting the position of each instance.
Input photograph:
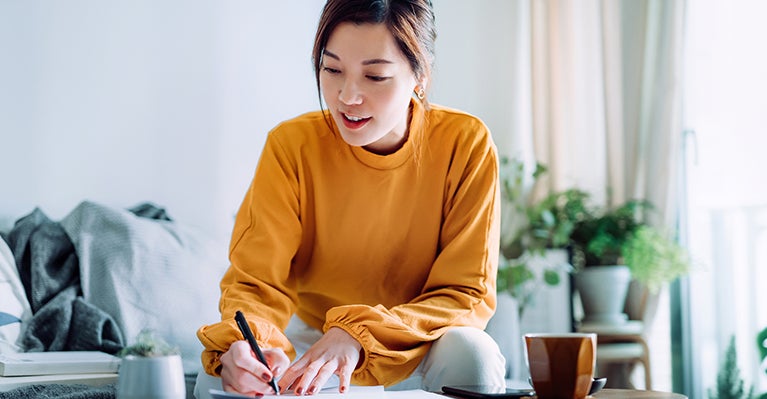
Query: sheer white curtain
(605, 95)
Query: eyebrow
(366, 62)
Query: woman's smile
(353, 122)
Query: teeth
(353, 118)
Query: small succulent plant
(149, 344)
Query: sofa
(99, 276)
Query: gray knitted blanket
(61, 391)
(49, 271)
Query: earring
(421, 93)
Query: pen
(245, 329)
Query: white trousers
(462, 356)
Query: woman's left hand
(336, 352)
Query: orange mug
(561, 365)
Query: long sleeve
(265, 239)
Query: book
(51, 363)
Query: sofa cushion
(149, 274)
(14, 307)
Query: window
(725, 102)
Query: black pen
(245, 329)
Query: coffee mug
(561, 365)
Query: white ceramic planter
(503, 327)
(151, 378)
(603, 292)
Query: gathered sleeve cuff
(216, 338)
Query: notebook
(47, 363)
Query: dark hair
(411, 22)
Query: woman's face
(367, 84)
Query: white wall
(129, 101)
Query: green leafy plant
(149, 344)
(654, 258)
(729, 385)
(536, 226)
(598, 238)
(622, 236)
(761, 343)
(516, 185)
(529, 229)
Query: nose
(349, 93)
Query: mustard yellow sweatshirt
(393, 249)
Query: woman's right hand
(243, 373)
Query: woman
(367, 244)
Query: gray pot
(603, 292)
(151, 378)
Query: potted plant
(150, 369)
(530, 229)
(610, 248)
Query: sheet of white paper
(219, 394)
(354, 392)
(412, 394)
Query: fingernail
(343, 388)
(311, 390)
(299, 391)
(266, 377)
